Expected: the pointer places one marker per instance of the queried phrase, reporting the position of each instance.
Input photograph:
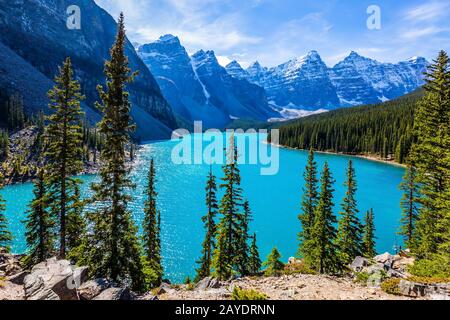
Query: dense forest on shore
(383, 130)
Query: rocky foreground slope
(59, 280)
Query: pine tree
(151, 227)
(243, 248)
(5, 234)
(210, 226)
(321, 247)
(76, 225)
(273, 264)
(349, 227)
(112, 248)
(228, 230)
(409, 206)
(429, 156)
(40, 234)
(63, 151)
(309, 202)
(368, 240)
(254, 262)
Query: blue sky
(274, 31)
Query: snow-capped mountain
(171, 65)
(303, 82)
(307, 83)
(199, 88)
(378, 81)
(235, 70)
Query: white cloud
(428, 11)
(223, 60)
(413, 34)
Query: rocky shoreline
(59, 280)
(20, 166)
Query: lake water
(274, 200)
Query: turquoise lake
(274, 200)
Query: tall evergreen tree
(243, 248)
(430, 158)
(409, 206)
(5, 234)
(228, 230)
(112, 248)
(254, 262)
(349, 227)
(63, 151)
(76, 224)
(321, 247)
(210, 226)
(309, 202)
(368, 240)
(151, 227)
(40, 224)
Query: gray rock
(148, 297)
(165, 288)
(18, 278)
(115, 294)
(375, 268)
(52, 275)
(92, 288)
(80, 275)
(9, 263)
(385, 258)
(293, 260)
(359, 263)
(392, 273)
(417, 290)
(208, 283)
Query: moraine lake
(274, 200)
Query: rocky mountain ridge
(199, 88)
(307, 83)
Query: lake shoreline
(361, 156)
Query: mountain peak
(168, 38)
(417, 59)
(233, 64)
(235, 70)
(205, 57)
(313, 54)
(354, 55)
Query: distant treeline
(384, 129)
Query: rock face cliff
(36, 40)
(199, 88)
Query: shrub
(298, 267)
(190, 287)
(437, 267)
(391, 286)
(151, 277)
(362, 277)
(242, 294)
(273, 265)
